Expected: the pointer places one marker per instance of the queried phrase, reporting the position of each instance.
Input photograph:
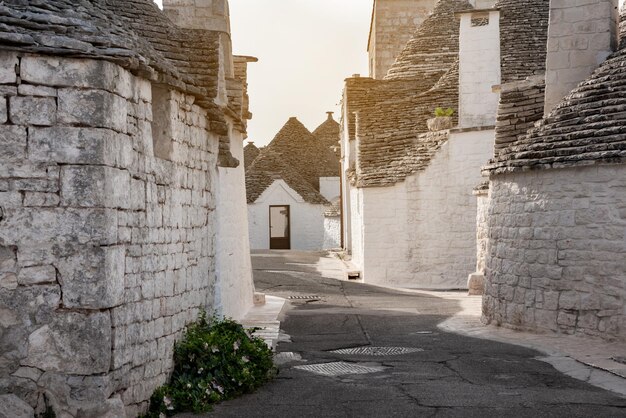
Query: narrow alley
(354, 350)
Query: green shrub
(441, 112)
(214, 361)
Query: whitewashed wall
(479, 69)
(307, 220)
(332, 232)
(421, 233)
(330, 188)
(233, 265)
(556, 251)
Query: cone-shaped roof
(587, 127)
(434, 47)
(250, 152)
(132, 33)
(328, 134)
(299, 148)
(270, 166)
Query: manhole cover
(304, 297)
(378, 351)
(339, 368)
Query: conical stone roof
(328, 133)
(587, 127)
(300, 149)
(132, 33)
(250, 152)
(433, 48)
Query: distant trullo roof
(328, 134)
(302, 150)
(587, 127)
(250, 152)
(269, 167)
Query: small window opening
(162, 122)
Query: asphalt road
(446, 375)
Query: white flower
(236, 345)
(214, 349)
(168, 403)
(200, 370)
(189, 385)
(206, 346)
(245, 359)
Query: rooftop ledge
(472, 11)
(472, 129)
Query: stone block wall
(556, 251)
(106, 252)
(581, 35)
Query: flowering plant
(215, 360)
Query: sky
(306, 49)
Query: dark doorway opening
(280, 228)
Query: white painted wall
(332, 232)
(479, 70)
(232, 262)
(307, 220)
(421, 233)
(329, 188)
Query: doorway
(280, 228)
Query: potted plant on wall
(442, 119)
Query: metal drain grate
(378, 351)
(339, 368)
(304, 297)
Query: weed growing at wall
(214, 361)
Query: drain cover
(339, 368)
(378, 351)
(304, 297)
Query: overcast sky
(306, 48)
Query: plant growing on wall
(446, 113)
(216, 360)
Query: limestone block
(476, 284)
(95, 108)
(73, 343)
(14, 140)
(72, 145)
(95, 186)
(93, 278)
(32, 228)
(111, 408)
(41, 199)
(8, 66)
(4, 116)
(36, 275)
(38, 111)
(37, 91)
(13, 407)
(84, 73)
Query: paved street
(431, 373)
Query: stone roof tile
(328, 134)
(587, 127)
(250, 152)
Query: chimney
(209, 15)
(330, 115)
(581, 35)
(199, 14)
